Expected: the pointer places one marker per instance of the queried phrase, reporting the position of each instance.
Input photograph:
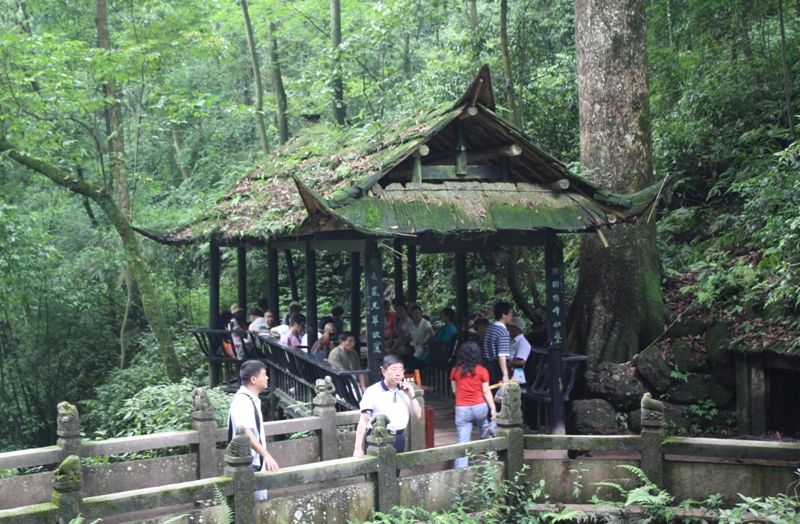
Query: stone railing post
(652, 435)
(68, 423)
(416, 427)
(238, 460)
(325, 408)
(204, 421)
(67, 485)
(509, 425)
(381, 445)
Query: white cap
(517, 322)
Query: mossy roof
(328, 178)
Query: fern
(225, 511)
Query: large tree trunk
(618, 306)
(251, 46)
(277, 86)
(786, 84)
(114, 127)
(339, 109)
(516, 118)
(132, 250)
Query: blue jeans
(465, 417)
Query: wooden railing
(669, 461)
(292, 372)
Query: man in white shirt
(245, 411)
(520, 349)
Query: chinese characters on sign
(374, 308)
(554, 268)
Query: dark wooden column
(462, 299)
(373, 281)
(397, 256)
(214, 367)
(241, 278)
(273, 293)
(556, 332)
(502, 164)
(355, 293)
(412, 273)
(213, 284)
(311, 293)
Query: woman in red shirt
(474, 401)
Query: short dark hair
(297, 318)
(337, 311)
(500, 309)
(415, 307)
(345, 335)
(255, 312)
(480, 322)
(390, 360)
(450, 313)
(250, 369)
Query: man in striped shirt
(495, 343)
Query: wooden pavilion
(455, 179)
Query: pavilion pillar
(373, 281)
(355, 293)
(241, 278)
(462, 299)
(502, 165)
(412, 273)
(213, 284)
(556, 332)
(397, 256)
(273, 293)
(311, 294)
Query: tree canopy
(724, 83)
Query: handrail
(115, 446)
(318, 472)
(732, 449)
(584, 442)
(424, 457)
(29, 458)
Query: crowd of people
(492, 353)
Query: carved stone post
(325, 409)
(509, 425)
(381, 444)
(203, 420)
(69, 429)
(67, 484)
(416, 428)
(652, 435)
(238, 460)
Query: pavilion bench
(223, 371)
(536, 391)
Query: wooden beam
(349, 245)
(241, 278)
(461, 148)
(273, 292)
(422, 150)
(468, 112)
(493, 153)
(355, 293)
(462, 300)
(559, 185)
(397, 257)
(416, 171)
(502, 168)
(213, 285)
(450, 173)
(311, 294)
(411, 249)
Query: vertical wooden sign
(556, 314)
(556, 328)
(373, 293)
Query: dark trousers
(495, 373)
(399, 445)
